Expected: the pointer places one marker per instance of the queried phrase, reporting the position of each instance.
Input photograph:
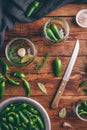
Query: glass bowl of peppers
(24, 114)
(81, 110)
(20, 52)
(56, 30)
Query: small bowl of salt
(81, 18)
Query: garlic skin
(21, 52)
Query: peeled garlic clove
(67, 125)
(21, 52)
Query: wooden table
(71, 94)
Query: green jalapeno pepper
(4, 119)
(83, 83)
(4, 126)
(1, 77)
(4, 66)
(11, 81)
(32, 110)
(23, 117)
(40, 123)
(5, 111)
(27, 87)
(2, 89)
(56, 31)
(18, 75)
(32, 7)
(20, 128)
(57, 67)
(51, 35)
(10, 126)
(15, 116)
(11, 119)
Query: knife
(66, 76)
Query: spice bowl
(20, 52)
(81, 18)
(80, 109)
(26, 115)
(56, 30)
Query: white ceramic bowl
(34, 103)
(78, 15)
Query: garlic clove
(67, 125)
(21, 52)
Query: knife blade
(66, 76)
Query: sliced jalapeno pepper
(18, 75)
(32, 7)
(27, 87)
(4, 66)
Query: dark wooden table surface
(33, 31)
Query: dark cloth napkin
(12, 11)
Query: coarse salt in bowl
(81, 18)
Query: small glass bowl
(62, 26)
(20, 52)
(77, 105)
(81, 17)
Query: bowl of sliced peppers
(23, 114)
(20, 52)
(81, 110)
(56, 30)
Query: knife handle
(58, 95)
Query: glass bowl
(81, 18)
(34, 103)
(20, 52)
(80, 109)
(61, 31)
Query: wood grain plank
(68, 10)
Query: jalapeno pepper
(2, 89)
(11, 81)
(1, 77)
(10, 126)
(57, 67)
(27, 87)
(41, 124)
(18, 74)
(50, 34)
(32, 7)
(5, 126)
(56, 31)
(23, 117)
(4, 66)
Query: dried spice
(62, 113)
(27, 58)
(42, 87)
(39, 66)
